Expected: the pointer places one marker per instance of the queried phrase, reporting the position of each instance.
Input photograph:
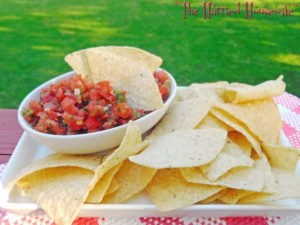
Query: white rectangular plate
(28, 150)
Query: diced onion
(77, 91)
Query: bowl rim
(28, 128)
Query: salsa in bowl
(72, 119)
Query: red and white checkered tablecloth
(290, 111)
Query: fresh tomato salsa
(77, 106)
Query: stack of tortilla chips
(61, 183)
(218, 142)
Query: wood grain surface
(10, 133)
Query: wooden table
(10, 133)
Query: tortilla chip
(196, 92)
(132, 179)
(96, 195)
(269, 186)
(232, 122)
(170, 191)
(256, 197)
(123, 73)
(105, 65)
(130, 145)
(210, 121)
(186, 114)
(288, 185)
(53, 174)
(271, 88)
(79, 63)
(241, 141)
(90, 162)
(239, 85)
(142, 90)
(185, 93)
(206, 90)
(112, 187)
(141, 57)
(59, 191)
(253, 115)
(243, 178)
(282, 156)
(218, 84)
(230, 157)
(232, 196)
(213, 197)
(182, 148)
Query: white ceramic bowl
(91, 142)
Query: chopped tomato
(41, 126)
(52, 115)
(104, 89)
(123, 110)
(50, 106)
(54, 126)
(161, 76)
(28, 115)
(94, 95)
(95, 109)
(42, 115)
(71, 95)
(59, 95)
(64, 84)
(108, 124)
(164, 91)
(104, 85)
(163, 82)
(104, 117)
(122, 122)
(88, 84)
(53, 89)
(74, 122)
(47, 97)
(68, 105)
(35, 106)
(57, 129)
(77, 83)
(92, 123)
(83, 112)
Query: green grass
(36, 35)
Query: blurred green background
(36, 35)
